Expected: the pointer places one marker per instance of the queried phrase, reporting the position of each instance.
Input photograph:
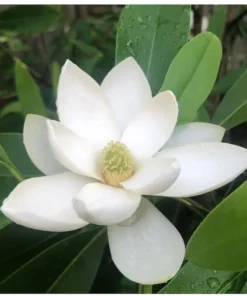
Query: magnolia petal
(154, 176)
(36, 142)
(45, 203)
(149, 249)
(75, 153)
(152, 127)
(105, 205)
(205, 167)
(127, 90)
(195, 132)
(82, 106)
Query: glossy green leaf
(220, 240)
(78, 276)
(39, 273)
(192, 279)
(193, 72)
(28, 19)
(13, 107)
(153, 35)
(28, 91)
(233, 108)
(227, 81)
(217, 21)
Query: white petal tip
(131, 62)
(66, 65)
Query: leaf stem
(191, 206)
(145, 289)
(224, 288)
(9, 165)
(196, 204)
(13, 170)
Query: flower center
(116, 163)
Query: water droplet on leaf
(186, 9)
(192, 286)
(130, 49)
(144, 26)
(213, 283)
(138, 39)
(164, 36)
(183, 35)
(177, 25)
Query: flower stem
(145, 289)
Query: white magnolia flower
(103, 156)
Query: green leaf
(19, 244)
(13, 143)
(17, 45)
(202, 115)
(225, 82)
(6, 162)
(13, 107)
(11, 123)
(41, 271)
(192, 279)
(217, 21)
(153, 35)
(88, 259)
(233, 108)
(126, 286)
(28, 19)
(233, 285)
(87, 56)
(244, 290)
(220, 240)
(7, 184)
(193, 72)
(28, 91)
(55, 73)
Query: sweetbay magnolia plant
(132, 137)
(113, 144)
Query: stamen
(116, 163)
